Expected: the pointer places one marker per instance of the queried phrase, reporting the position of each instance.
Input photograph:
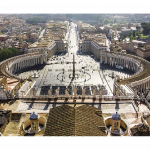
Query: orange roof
(9, 80)
(9, 88)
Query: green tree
(137, 27)
(4, 54)
(14, 50)
(146, 28)
(101, 20)
(134, 33)
(1, 55)
(131, 38)
(111, 21)
(106, 21)
(7, 53)
(130, 33)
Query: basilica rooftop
(84, 120)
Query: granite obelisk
(73, 65)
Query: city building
(91, 41)
(59, 88)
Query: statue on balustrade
(57, 92)
(50, 92)
(75, 91)
(117, 93)
(66, 93)
(34, 91)
(135, 93)
(94, 93)
(100, 93)
(83, 93)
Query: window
(33, 126)
(116, 126)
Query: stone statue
(57, 92)
(34, 91)
(117, 93)
(100, 93)
(50, 92)
(75, 91)
(94, 93)
(135, 93)
(66, 93)
(83, 93)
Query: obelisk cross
(73, 65)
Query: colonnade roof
(144, 74)
(4, 63)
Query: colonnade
(131, 63)
(27, 61)
(115, 59)
(142, 85)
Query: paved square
(59, 70)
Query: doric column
(105, 59)
(101, 59)
(17, 66)
(117, 61)
(28, 62)
(42, 59)
(113, 61)
(21, 64)
(35, 61)
(14, 67)
(38, 60)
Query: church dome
(116, 116)
(34, 116)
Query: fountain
(112, 75)
(35, 75)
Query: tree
(14, 50)
(131, 38)
(146, 28)
(115, 21)
(138, 34)
(137, 27)
(36, 20)
(134, 33)
(7, 53)
(111, 22)
(100, 20)
(130, 33)
(4, 54)
(106, 21)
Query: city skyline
(43, 68)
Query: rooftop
(34, 116)
(116, 116)
(79, 121)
